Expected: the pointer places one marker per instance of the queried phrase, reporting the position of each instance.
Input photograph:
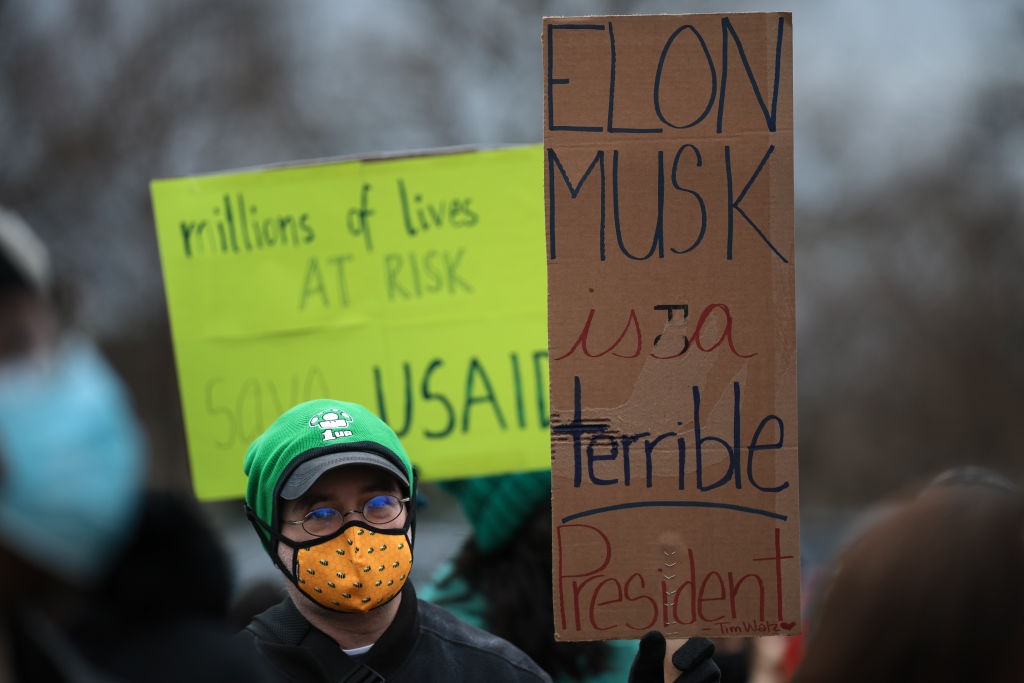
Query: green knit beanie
(312, 430)
(497, 507)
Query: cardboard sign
(414, 286)
(672, 339)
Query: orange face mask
(358, 570)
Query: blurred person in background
(160, 614)
(501, 581)
(930, 592)
(329, 492)
(71, 466)
(100, 580)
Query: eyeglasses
(377, 510)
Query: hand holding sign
(690, 661)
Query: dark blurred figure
(160, 615)
(932, 592)
(99, 580)
(258, 597)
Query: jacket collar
(296, 644)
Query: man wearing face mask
(330, 493)
(81, 539)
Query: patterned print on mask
(355, 571)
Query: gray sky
(880, 87)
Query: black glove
(693, 658)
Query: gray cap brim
(308, 472)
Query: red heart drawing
(787, 625)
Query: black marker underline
(674, 503)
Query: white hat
(23, 249)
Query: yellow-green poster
(415, 286)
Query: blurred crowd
(103, 578)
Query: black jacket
(424, 643)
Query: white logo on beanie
(333, 423)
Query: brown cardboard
(671, 323)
